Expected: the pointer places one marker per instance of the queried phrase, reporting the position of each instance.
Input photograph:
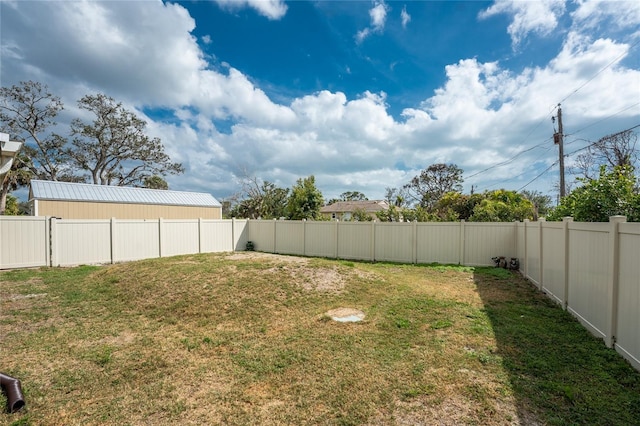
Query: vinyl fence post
(461, 243)
(112, 231)
(540, 254)
(199, 235)
(526, 251)
(613, 281)
(336, 237)
(565, 297)
(275, 234)
(233, 234)
(414, 242)
(373, 241)
(160, 236)
(304, 237)
(53, 241)
(47, 242)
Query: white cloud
(623, 14)
(378, 15)
(272, 9)
(132, 48)
(406, 18)
(234, 96)
(539, 16)
(362, 34)
(143, 53)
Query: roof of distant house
(369, 206)
(67, 191)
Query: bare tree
(258, 199)
(396, 197)
(27, 112)
(618, 149)
(433, 182)
(114, 148)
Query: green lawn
(243, 339)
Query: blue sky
(361, 94)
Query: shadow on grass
(560, 374)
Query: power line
(610, 136)
(602, 119)
(599, 72)
(521, 174)
(567, 155)
(537, 177)
(510, 160)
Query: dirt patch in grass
(251, 255)
(304, 272)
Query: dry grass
(244, 339)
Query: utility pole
(558, 140)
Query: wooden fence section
(590, 269)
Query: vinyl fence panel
(180, 237)
(136, 239)
(24, 242)
(394, 242)
(289, 236)
(240, 234)
(439, 242)
(533, 259)
(482, 241)
(355, 240)
(262, 234)
(628, 315)
(588, 275)
(554, 261)
(81, 241)
(216, 236)
(321, 239)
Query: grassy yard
(243, 339)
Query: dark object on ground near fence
(250, 246)
(11, 388)
(506, 262)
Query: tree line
(435, 194)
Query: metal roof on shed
(51, 190)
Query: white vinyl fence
(47, 241)
(590, 269)
(465, 243)
(593, 271)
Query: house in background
(86, 201)
(343, 210)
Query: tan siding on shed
(92, 210)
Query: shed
(86, 201)
(343, 210)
